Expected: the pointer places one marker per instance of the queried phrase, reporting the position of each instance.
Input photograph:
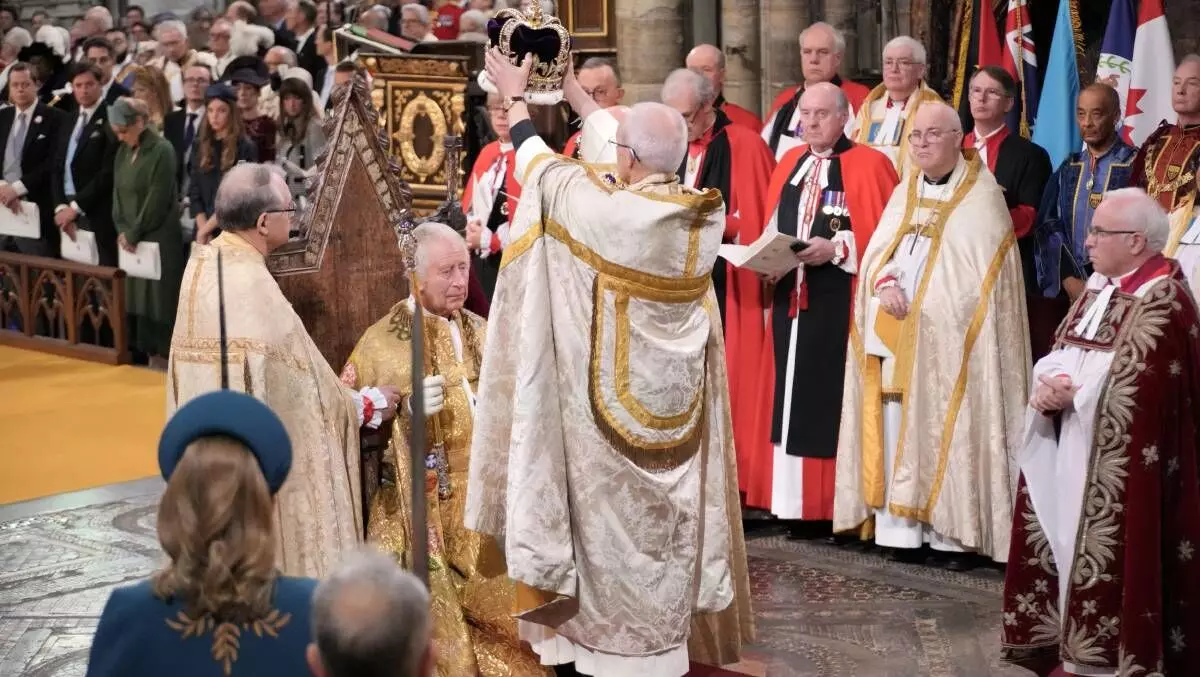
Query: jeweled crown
(518, 34)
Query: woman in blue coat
(219, 607)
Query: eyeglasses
(930, 136)
(626, 147)
(985, 94)
(293, 215)
(1099, 232)
(889, 64)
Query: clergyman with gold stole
(603, 457)
(938, 361)
(472, 594)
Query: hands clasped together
(1053, 394)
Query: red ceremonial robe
(737, 162)
(868, 179)
(1167, 164)
(571, 149)
(855, 94)
(497, 219)
(738, 115)
(1133, 605)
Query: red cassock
(734, 160)
(1132, 594)
(868, 180)
(571, 148)
(855, 94)
(740, 116)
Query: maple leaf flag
(1149, 99)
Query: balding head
(1097, 112)
(709, 61)
(652, 139)
(936, 139)
(823, 115)
(250, 201)
(1113, 249)
(691, 94)
(601, 79)
(370, 617)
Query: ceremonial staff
(420, 461)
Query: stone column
(782, 21)
(649, 45)
(843, 15)
(743, 61)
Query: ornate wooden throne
(343, 270)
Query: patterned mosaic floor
(822, 611)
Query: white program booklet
(771, 254)
(27, 223)
(144, 263)
(82, 249)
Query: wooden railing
(63, 307)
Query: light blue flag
(1056, 130)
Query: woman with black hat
(248, 75)
(146, 209)
(219, 606)
(220, 144)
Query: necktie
(12, 152)
(72, 146)
(189, 133)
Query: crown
(549, 42)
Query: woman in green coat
(146, 209)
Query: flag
(1020, 60)
(1116, 52)
(982, 49)
(1149, 100)
(1057, 131)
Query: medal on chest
(833, 203)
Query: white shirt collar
(980, 140)
(505, 147)
(303, 37)
(27, 112)
(87, 113)
(199, 111)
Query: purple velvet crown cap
(544, 42)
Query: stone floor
(821, 611)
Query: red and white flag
(1149, 100)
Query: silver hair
(288, 56)
(103, 18)
(18, 38)
(698, 87)
(839, 40)
(421, 12)
(1138, 211)
(377, 17)
(168, 26)
(473, 17)
(913, 45)
(426, 234)
(657, 134)
(371, 617)
(244, 194)
(1189, 58)
(601, 62)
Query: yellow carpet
(68, 424)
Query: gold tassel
(1077, 33)
(964, 41)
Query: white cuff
(850, 262)
(78, 211)
(531, 149)
(17, 186)
(485, 241)
(377, 399)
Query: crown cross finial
(535, 13)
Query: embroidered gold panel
(421, 99)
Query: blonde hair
(160, 92)
(216, 523)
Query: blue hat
(232, 414)
(222, 91)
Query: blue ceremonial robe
(1066, 213)
(140, 634)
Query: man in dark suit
(29, 133)
(100, 52)
(181, 126)
(83, 169)
(301, 20)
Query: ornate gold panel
(420, 100)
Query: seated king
(472, 594)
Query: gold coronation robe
(960, 370)
(473, 598)
(272, 357)
(603, 452)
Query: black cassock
(821, 329)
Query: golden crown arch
(545, 78)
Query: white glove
(435, 395)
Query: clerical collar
(938, 182)
(506, 146)
(1153, 267)
(840, 146)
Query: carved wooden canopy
(344, 271)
